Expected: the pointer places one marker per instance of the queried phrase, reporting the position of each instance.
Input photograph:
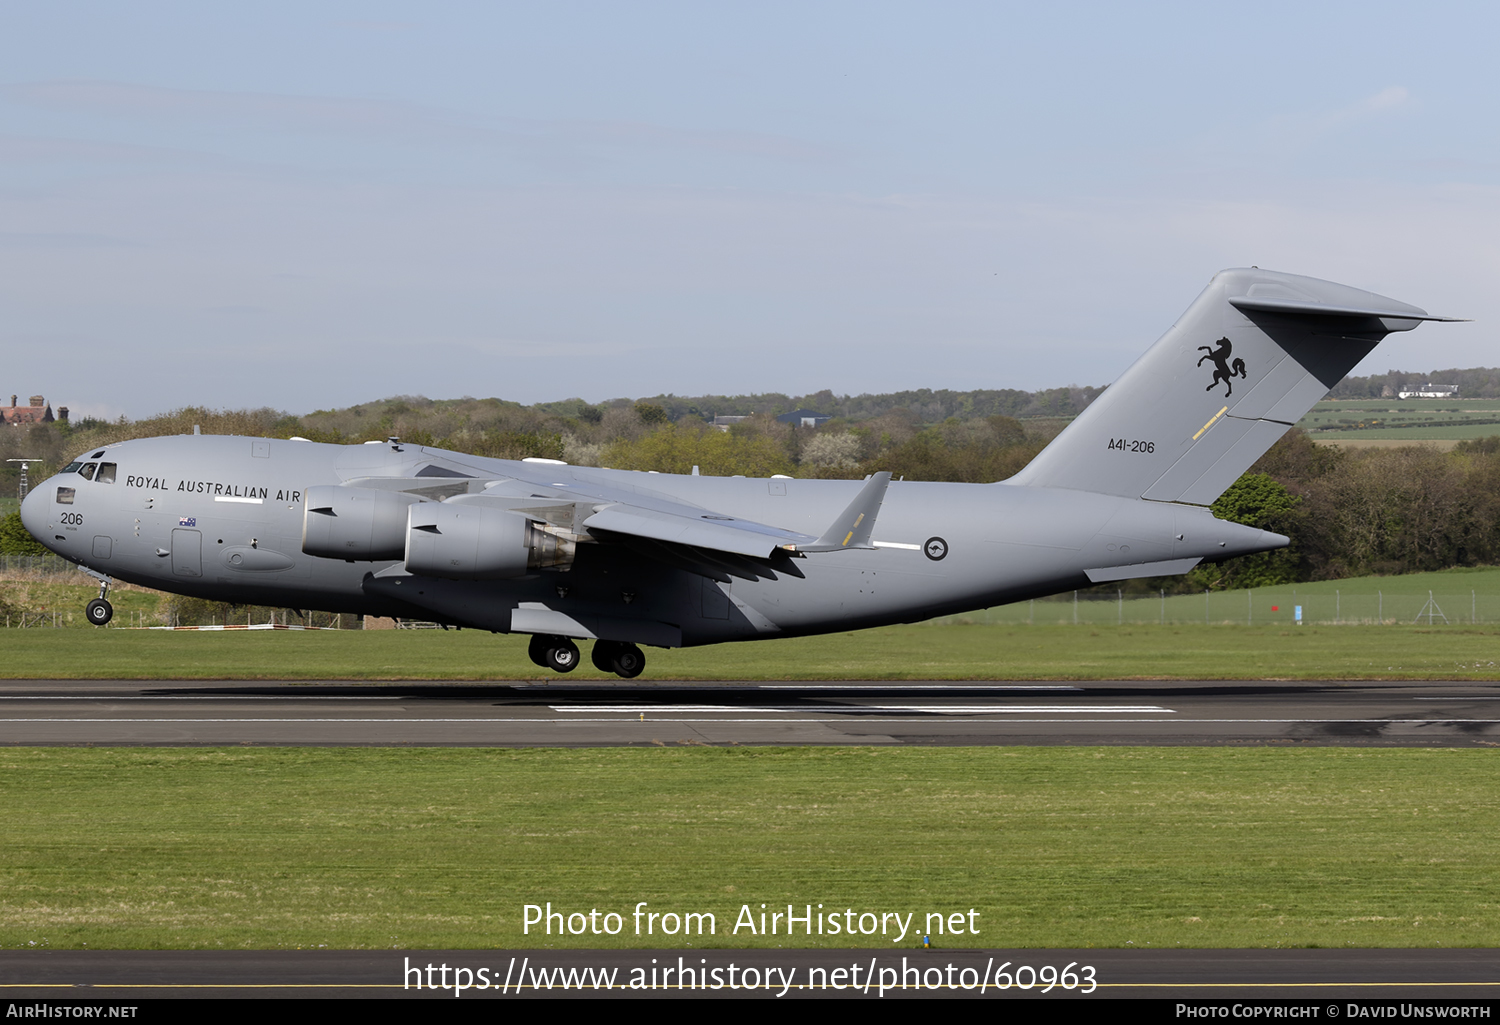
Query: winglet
(853, 526)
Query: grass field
(1406, 419)
(1206, 847)
(1354, 629)
(950, 652)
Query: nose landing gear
(99, 611)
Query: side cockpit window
(71, 467)
(65, 496)
(106, 474)
(87, 470)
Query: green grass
(952, 652)
(1207, 847)
(1413, 419)
(1354, 629)
(1463, 596)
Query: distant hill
(926, 404)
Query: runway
(558, 714)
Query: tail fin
(1250, 357)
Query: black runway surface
(1311, 976)
(169, 713)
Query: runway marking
(479, 720)
(939, 709)
(918, 686)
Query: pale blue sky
(316, 204)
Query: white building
(1430, 391)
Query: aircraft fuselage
(223, 518)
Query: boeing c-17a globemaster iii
(625, 558)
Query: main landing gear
(100, 611)
(561, 655)
(616, 657)
(556, 653)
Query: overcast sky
(314, 204)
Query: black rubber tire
(537, 649)
(99, 612)
(629, 661)
(603, 655)
(562, 655)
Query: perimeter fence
(39, 565)
(1259, 607)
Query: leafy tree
(15, 539)
(1256, 500)
(677, 448)
(651, 414)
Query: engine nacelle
(466, 542)
(364, 524)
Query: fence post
(1249, 607)
(1338, 604)
(1163, 606)
(1119, 607)
(1075, 608)
(1205, 606)
(1380, 609)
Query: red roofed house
(36, 413)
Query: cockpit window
(106, 474)
(65, 496)
(87, 472)
(72, 467)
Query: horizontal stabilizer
(1385, 311)
(853, 526)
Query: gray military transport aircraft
(625, 558)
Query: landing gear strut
(624, 660)
(99, 611)
(556, 653)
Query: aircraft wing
(702, 530)
(667, 529)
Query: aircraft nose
(34, 511)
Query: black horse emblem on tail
(1223, 369)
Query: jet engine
(471, 542)
(364, 524)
